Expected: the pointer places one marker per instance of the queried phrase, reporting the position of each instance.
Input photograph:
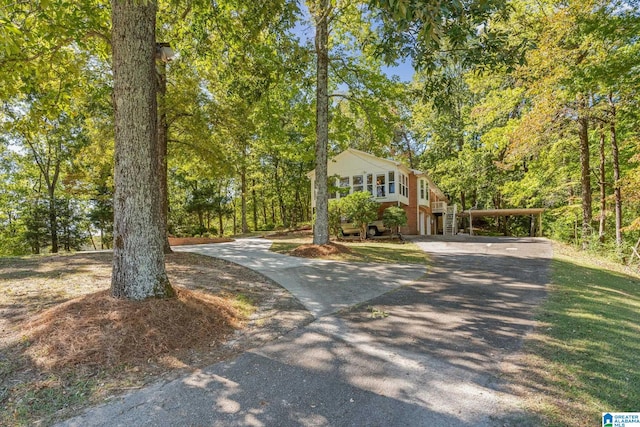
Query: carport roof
(502, 212)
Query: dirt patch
(66, 344)
(180, 241)
(319, 251)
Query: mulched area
(319, 251)
(99, 330)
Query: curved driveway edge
(433, 360)
(322, 286)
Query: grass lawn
(584, 356)
(368, 251)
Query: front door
(421, 223)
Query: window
(404, 191)
(370, 184)
(392, 182)
(358, 183)
(345, 188)
(422, 189)
(380, 185)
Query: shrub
(361, 209)
(394, 217)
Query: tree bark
(53, 219)
(276, 177)
(254, 204)
(243, 195)
(585, 176)
(138, 257)
(603, 187)
(163, 135)
(321, 225)
(616, 172)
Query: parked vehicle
(374, 228)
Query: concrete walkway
(434, 360)
(323, 286)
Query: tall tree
(138, 257)
(320, 11)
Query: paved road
(434, 360)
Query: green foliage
(492, 130)
(361, 209)
(394, 217)
(36, 226)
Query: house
(391, 184)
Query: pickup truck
(374, 228)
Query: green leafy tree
(360, 208)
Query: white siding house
(389, 183)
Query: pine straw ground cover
(65, 343)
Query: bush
(361, 209)
(394, 217)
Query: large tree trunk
(603, 187)
(616, 172)
(138, 257)
(585, 177)
(321, 226)
(163, 136)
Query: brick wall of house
(406, 229)
(412, 226)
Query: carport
(532, 212)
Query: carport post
(540, 224)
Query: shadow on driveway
(433, 361)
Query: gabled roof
(363, 154)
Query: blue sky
(305, 30)
(404, 70)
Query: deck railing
(439, 207)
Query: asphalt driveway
(432, 356)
